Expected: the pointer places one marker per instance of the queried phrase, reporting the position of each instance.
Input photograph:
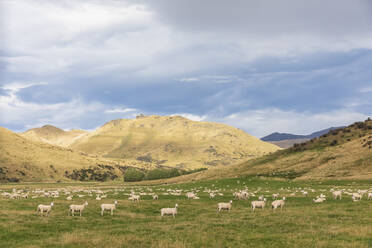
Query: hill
(25, 160)
(172, 141)
(287, 136)
(53, 135)
(287, 143)
(344, 153)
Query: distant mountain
(53, 135)
(287, 136)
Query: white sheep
(356, 197)
(369, 196)
(69, 198)
(155, 197)
(212, 195)
(337, 194)
(44, 208)
(110, 207)
(224, 206)
(77, 208)
(258, 204)
(135, 198)
(319, 200)
(190, 195)
(169, 211)
(275, 196)
(278, 203)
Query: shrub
(133, 175)
(162, 173)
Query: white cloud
(65, 115)
(165, 39)
(190, 79)
(191, 116)
(120, 110)
(366, 90)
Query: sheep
(337, 194)
(69, 198)
(356, 197)
(190, 195)
(212, 195)
(278, 203)
(275, 196)
(258, 204)
(155, 197)
(224, 206)
(135, 198)
(98, 198)
(44, 208)
(169, 211)
(319, 200)
(110, 207)
(369, 196)
(77, 208)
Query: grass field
(334, 223)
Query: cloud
(120, 110)
(265, 121)
(191, 116)
(208, 60)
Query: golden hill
(53, 135)
(341, 154)
(25, 160)
(172, 141)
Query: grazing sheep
(278, 203)
(224, 206)
(212, 195)
(319, 200)
(258, 204)
(77, 208)
(369, 196)
(135, 198)
(110, 207)
(275, 196)
(337, 194)
(69, 198)
(155, 197)
(356, 197)
(169, 211)
(98, 198)
(44, 208)
(190, 195)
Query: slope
(172, 141)
(287, 136)
(53, 135)
(344, 153)
(25, 160)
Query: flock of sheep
(242, 194)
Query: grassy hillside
(53, 135)
(172, 141)
(25, 160)
(344, 153)
(288, 143)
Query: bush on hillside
(162, 173)
(133, 175)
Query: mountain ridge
(276, 136)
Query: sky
(293, 66)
